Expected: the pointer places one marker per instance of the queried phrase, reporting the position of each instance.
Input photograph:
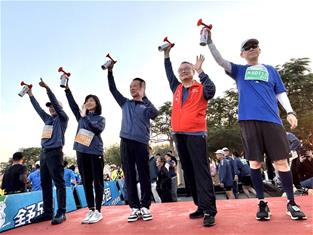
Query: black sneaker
(263, 212)
(208, 220)
(293, 210)
(41, 218)
(58, 218)
(197, 214)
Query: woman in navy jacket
(89, 150)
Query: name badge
(257, 72)
(47, 132)
(84, 137)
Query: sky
(37, 37)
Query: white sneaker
(145, 213)
(97, 216)
(88, 216)
(134, 215)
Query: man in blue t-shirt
(259, 88)
(69, 176)
(34, 178)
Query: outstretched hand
(43, 84)
(30, 93)
(110, 67)
(142, 91)
(198, 65)
(66, 84)
(167, 52)
(83, 110)
(209, 34)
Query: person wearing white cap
(225, 172)
(260, 87)
(235, 171)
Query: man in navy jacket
(135, 135)
(51, 157)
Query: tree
(31, 155)
(112, 155)
(298, 79)
(70, 160)
(162, 149)
(224, 137)
(223, 129)
(161, 126)
(222, 111)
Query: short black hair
(140, 80)
(98, 110)
(186, 62)
(72, 167)
(65, 163)
(17, 156)
(162, 159)
(304, 148)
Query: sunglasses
(253, 46)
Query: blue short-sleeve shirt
(257, 86)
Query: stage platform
(234, 217)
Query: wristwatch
(293, 113)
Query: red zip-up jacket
(190, 116)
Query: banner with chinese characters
(17, 209)
(112, 195)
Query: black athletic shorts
(259, 138)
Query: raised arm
(43, 115)
(72, 103)
(58, 108)
(120, 99)
(208, 85)
(172, 79)
(216, 54)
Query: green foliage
(222, 111)
(31, 155)
(161, 126)
(223, 129)
(224, 137)
(298, 79)
(70, 160)
(112, 155)
(162, 149)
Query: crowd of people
(260, 89)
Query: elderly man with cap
(233, 160)
(225, 172)
(260, 87)
(51, 157)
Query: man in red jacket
(189, 128)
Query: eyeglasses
(253, 46)
(184, 69)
